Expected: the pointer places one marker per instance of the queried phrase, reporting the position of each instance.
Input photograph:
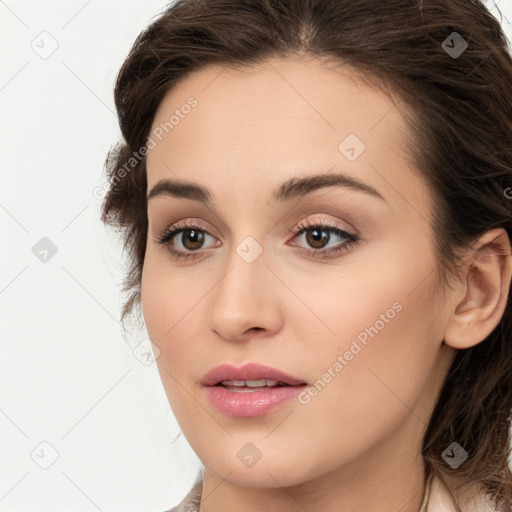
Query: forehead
(260, 125)
(304, 95)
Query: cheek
(167, 306)
(162, 303)
(167, 294)
(172, 301)
(377, 362)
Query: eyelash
(351, 240)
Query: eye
(318, 236)
(191, 239)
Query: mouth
(248, 386)
(251, 390)
(249, 376)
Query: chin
(264, 478)
(275, 472)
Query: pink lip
(251, 371)
(249, 403)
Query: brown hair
(460, 141)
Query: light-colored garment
(191, 501)
(440, 499)
(437, 498)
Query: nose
(246, 301)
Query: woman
(315, 199)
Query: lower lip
(249, 404)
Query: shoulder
(190, 502)
(471, 498)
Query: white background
(68, 378)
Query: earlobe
(485, 291)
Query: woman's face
(352, 314)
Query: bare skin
(355, 445)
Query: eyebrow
(290, 189)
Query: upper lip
(250, 371)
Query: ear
(484, 288)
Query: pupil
(196, 237)
(318, 238)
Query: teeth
(250, 383)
